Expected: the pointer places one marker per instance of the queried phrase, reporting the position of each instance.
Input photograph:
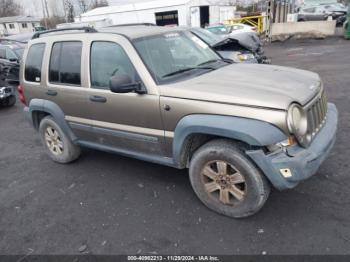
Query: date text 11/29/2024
(173, 258)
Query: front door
(126, 121)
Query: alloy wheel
(224, 182)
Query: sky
(34, 7)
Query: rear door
(65, 83)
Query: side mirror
(13, 60)
(122, 83)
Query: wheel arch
(40, 108)
(195, 130)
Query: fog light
(286, 172)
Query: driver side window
(108, 59)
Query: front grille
(316, 115)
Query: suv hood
(249, 84)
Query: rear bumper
(302, 162)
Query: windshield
(19, 52)
(219, 30)
(175, 56)
(207, 36)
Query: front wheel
(226, 181)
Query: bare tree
(56, 8)
(10, 8)
(51, 22)
(68, 8)
(83, 6)
(70, 13)
(98, 3)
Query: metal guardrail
(256, 21)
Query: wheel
(226, 181)
(11, 100)
(58, 145)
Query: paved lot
(116, 205)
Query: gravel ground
(107, 204)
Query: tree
(98, 3)
(52, 21)
(9, 8)
(70, 13)
(83, 6)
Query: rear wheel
(58, 145)
(226, 181)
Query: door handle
(99, 99)
(51, 93)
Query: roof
(138, 31)
(138, 5)
(134, 7)
(129, 31)
(19, 19)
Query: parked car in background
(231, 30)
(218, 29)
(22, 38)
(322, 11)
(10, 56)
(243, 47)
(241, 28)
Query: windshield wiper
(210, 61)
(188, 69)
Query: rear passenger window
(34, 60)
(65, 63)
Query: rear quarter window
(34, 60)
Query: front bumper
(10, 91)
(302, 162)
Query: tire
(62, 149)
(244, 198)
(11, 100)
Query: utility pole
(43, 7)
(64, 10)
(47, 9)
(269, 18)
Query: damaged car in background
(243, 47)
(10, 56)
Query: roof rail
(133, 24)
(86, 29)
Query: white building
(18, 24)
(164, 12)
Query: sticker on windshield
(170, 35)
(199, 42)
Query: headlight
(297, 120)
(245, 57)
(2, 90)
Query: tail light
(21, 94)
